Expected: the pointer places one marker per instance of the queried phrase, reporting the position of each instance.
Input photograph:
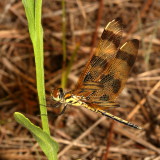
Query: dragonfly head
(57, 94)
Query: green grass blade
(63, 79)
(33, 11)
(48, 145)
(30, 14)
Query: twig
(81, 136)
(141, 103)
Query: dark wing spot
(87, 98)
(129, 58)
(112, 37)
(106, 78)
(116, 84)
(105, 97)
(103, 64)
(135, 42)
(94, 61)
(88, 77)
(98, 61)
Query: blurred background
(81, 133)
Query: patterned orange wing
(105, 52)
(112, 80)
(116, 74)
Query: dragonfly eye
(57, 94)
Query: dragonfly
(104, 76)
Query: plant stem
(63, 80)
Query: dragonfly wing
(106, 50)
(116, 74)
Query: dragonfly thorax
(73, 99)
(57, 94)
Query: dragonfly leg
(63, 110)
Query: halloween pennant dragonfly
(104, 76)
